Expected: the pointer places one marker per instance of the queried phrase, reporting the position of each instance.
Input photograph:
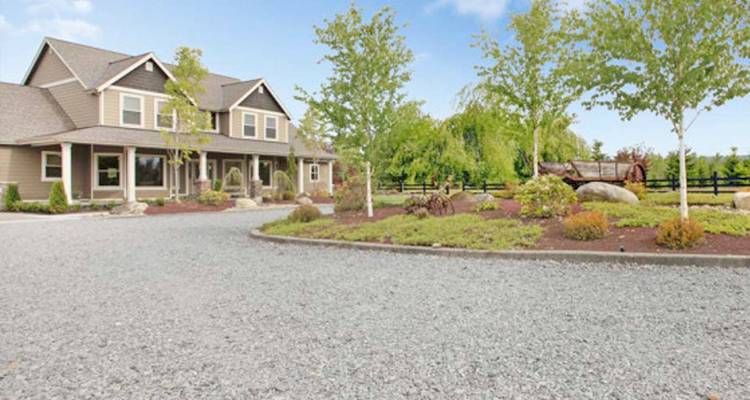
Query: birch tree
(673, 58)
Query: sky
(274, 40)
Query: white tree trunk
(176, 181)
(536, 153)
(683, 175)
(369, 190)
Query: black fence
(715, 184)
(425, 187)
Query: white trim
(96, 184)
(260, 110)
(225, 171)
(138, 91)
(262, 82)
(44, 166)
(255, 125)
(265, 128)
(58, 83)
(36, 59)
(316, 165)
(157, 100)
(163, 171)
(132, 67)
(121, 109)
(101, 108)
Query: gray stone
(600, 191)
(134, 208)
(483, 197)
(304, 201)
(742, 201)
(244, 203)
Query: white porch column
(300, 175)
(330, 177)
(256, 167)
(67, 169)
(130, 173)
(203, 167)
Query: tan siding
(224, 123)
(81, 107)
(49, 69)
(112, 108)
(322, 183)
(260, 124)
(23, 165)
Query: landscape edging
(701, 260)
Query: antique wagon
(577, 173)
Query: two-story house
(91, 118)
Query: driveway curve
(190, 307)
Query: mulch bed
(632, 240)
(186, 206)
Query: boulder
(303, 194)
(484, 197)
(600, 191)
(304, 201)
(742, 201)
(134, 208)
(244, 204)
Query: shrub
(545, 197)
(160, 202)
(638, 189)
(218, 185)
(415, 203)
(11, 196)
(421, 213)
(37, 208)
(351, 196)
(587, 225)
(503, 194)
(679, 234)
(485, 206)
(234, 177)
(213, 198)
(282, 183)
(304, 213)
(58, 202)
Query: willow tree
(530, 76)
(187, 137)
(358, 101)
(673, 58)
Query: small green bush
(304, 214)
(160, 202)
(485, 206)
(58, 202)
(36, 208)
(545, 197)
(11, 196)
(637, 188)
(218, 185)
(351, 196)
(421, 213)
(678, 234)
(587, 225)
(213, 198)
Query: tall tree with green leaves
(530, 76)
(369, 68)
(188, 136)
(597, 154)
(674, 58)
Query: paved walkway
(189, 306)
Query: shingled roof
(29, 111)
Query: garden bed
(186, 206)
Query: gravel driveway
(190, 307)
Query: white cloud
(69, 29)
(486, 10)
(4, 24)
(56, 7)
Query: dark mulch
(186, 206)
(634, 240)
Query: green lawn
(694, 199)
(644, 215)
(463, 231)
(388, 200)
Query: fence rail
(425, 187)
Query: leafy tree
(291, 168)
(634, 154)
(669, 57)
(597, 154)
(702, 168)
(657, 166)
(732, 164)
(529, 77)
(369, 61)
(187, 137)
(673, 163)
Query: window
(131, 110)
(264, 169)
(248, 125)
(51, 166)
(163, 120)
(260, 89)
(214, 121)
(314, 172)
(232, 180)
(149, 66)
(149, 171)
(271, 128)
(107, 170)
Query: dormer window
(149, 66)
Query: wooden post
(424, 188)
(674, 182)
(484, 186)
(401, 186)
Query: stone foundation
(204, 185)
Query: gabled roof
(118, 67)
(235, 91)
(29, 111)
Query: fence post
(674, 184)
(448, 189)
(401, 187)
(715, 179)
(484, 186)
(463, 185)
(424, 188)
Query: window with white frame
(107, 170)
(314, 172)
(51, 166)
(131, 110)
(248, 125)
(214, 121)
(149, 171)
(164, 119)
(271, 127)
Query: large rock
(600, 191)
(244, 204)
(742, 201)
(304, 201)
(134, 208)
(481, 197)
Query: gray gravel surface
(190, 307)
